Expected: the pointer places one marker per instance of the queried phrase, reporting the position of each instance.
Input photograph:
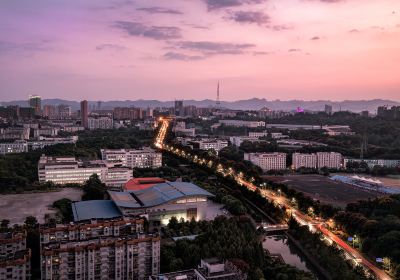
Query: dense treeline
(234, 239)
(377, 224)
(19, 171)
(329, 257)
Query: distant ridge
(248, 104)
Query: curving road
(314, 224)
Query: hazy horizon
(165, 50)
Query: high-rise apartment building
(179, 108)
(84, 113)
(329, 159)
(328, 109)
(107, 249)
(63, 111)
(304, 160)
(49, 111)
(14, 256)
(143, 158)
(35, 102)
(267, 161)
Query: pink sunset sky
(170, 49)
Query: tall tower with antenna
(218, 103)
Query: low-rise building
(142, 158)
(211, 144)
(14, 256)
(21, 133)
(50, 141)
(118, 176)
(241, 123)
(238, 140)
(258, 134)
(304, 160)
(18, 146)
(390, 163)
(64, 170)
(214, 268)
(330, 160)
(108, 249)
(267, 161)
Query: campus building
(107, 249)
(159, 203)
(14, 256)
(241, 123)
(390, 163)
(18, 146)
(64, 170)
(267, 161)
(143, 158)
(211, 144)
(68, 170)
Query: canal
(281, 245)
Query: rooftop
(94, 209)
(142, 183)
(157, 194)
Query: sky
(180, 49)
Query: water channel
(281, 245)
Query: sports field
(324, 189)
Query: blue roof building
(158, 203)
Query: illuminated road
(313, 224)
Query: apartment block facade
(330, 160)
(143, 158)
(304, 160)
(14, 256)
(267, 161)
(110, 249)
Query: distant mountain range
(249, 104)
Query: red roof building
(136, 184)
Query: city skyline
(311, 50)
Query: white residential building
(238, 140)
(267, 161)
(118, 176)
(100, 122)
(143, 158)
(18, 146)
(212, 144)
(329, 159)
(240, 123)
(304, 160)
(258, 134)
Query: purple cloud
(110, 47)
(259, 18)
(153, 32)
(181, 56)
(218, 4)
(160, 10)
(213, 48)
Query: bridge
(277, 227)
